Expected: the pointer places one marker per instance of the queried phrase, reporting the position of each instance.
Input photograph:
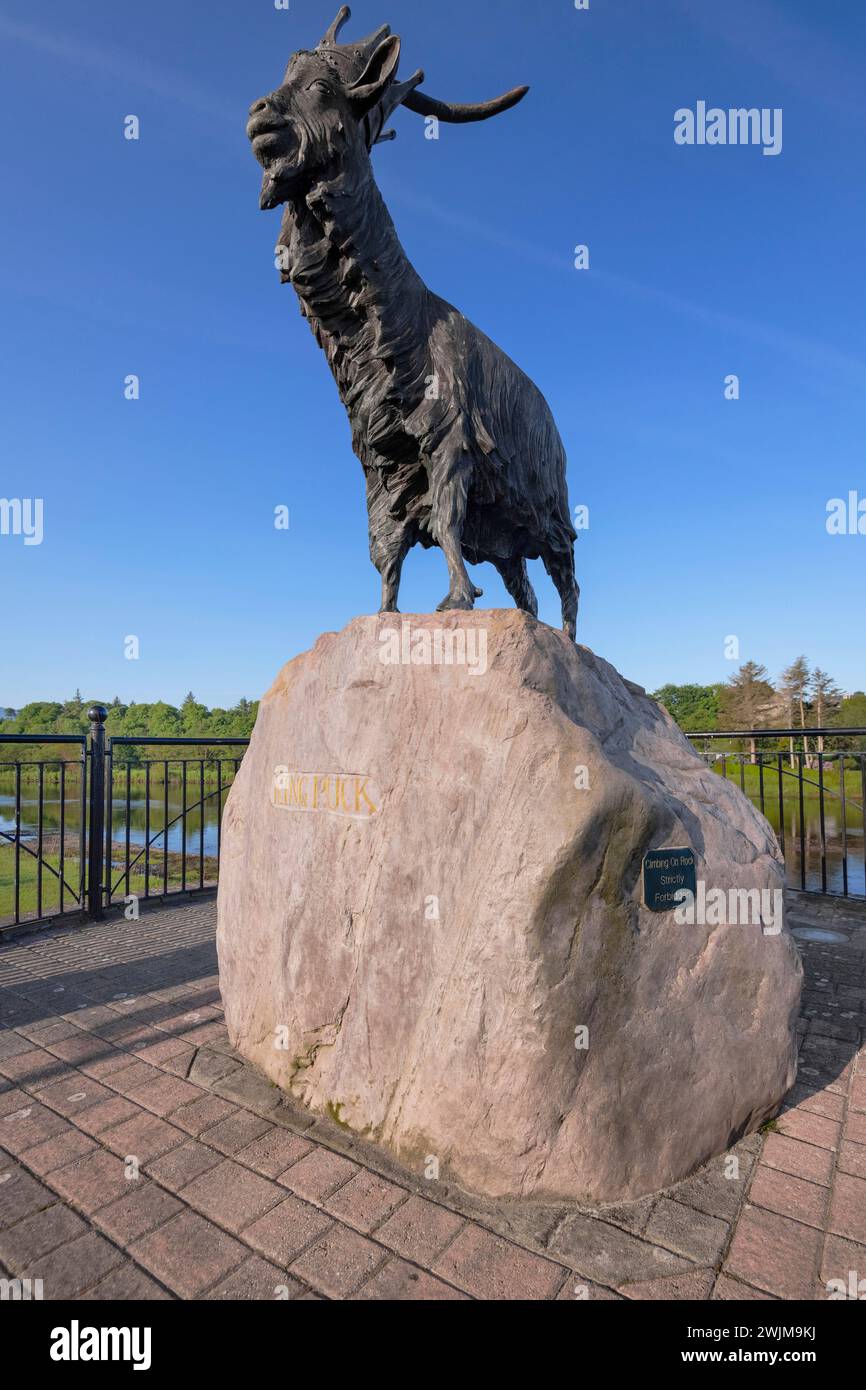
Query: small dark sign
(665, 873)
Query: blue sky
(707, 516)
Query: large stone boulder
(432, 922)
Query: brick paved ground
(139, 1158)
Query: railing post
(96, 810)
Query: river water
(204, 821)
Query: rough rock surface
(420, 911)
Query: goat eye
(321, 87)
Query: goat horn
(331, 36)
(459, 114)
(398, 92)
(373, 40)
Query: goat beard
(280, 177)
(282, 180)
(287, 177)
(270, 196)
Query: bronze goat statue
(459, 447)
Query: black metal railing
(108, 824)
(43, 818)
(813, 795)
(151, 861)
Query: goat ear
(380, 71)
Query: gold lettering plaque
(348, 794)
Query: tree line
(158, 720)
(803, 697)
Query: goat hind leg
(560, 566)
(516, 581)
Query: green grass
(28, 889)
(137, 778)
(28, 895)
(790, 780)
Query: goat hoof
(456, 601)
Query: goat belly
(405, 490)
(386, 434)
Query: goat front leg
(450, 480)
(389, 563)
(390, 541)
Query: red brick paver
(232, 1194)
(338, 1261)
(188, 1253)
(487, 1266)
(775, 1254)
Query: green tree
(793, 690)
(158, 720)
(851, 714)
(163, 719)
(747, 701)
(826, 697)
(135, 720)
(694, 707)
(39, 717)
(194, 718)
